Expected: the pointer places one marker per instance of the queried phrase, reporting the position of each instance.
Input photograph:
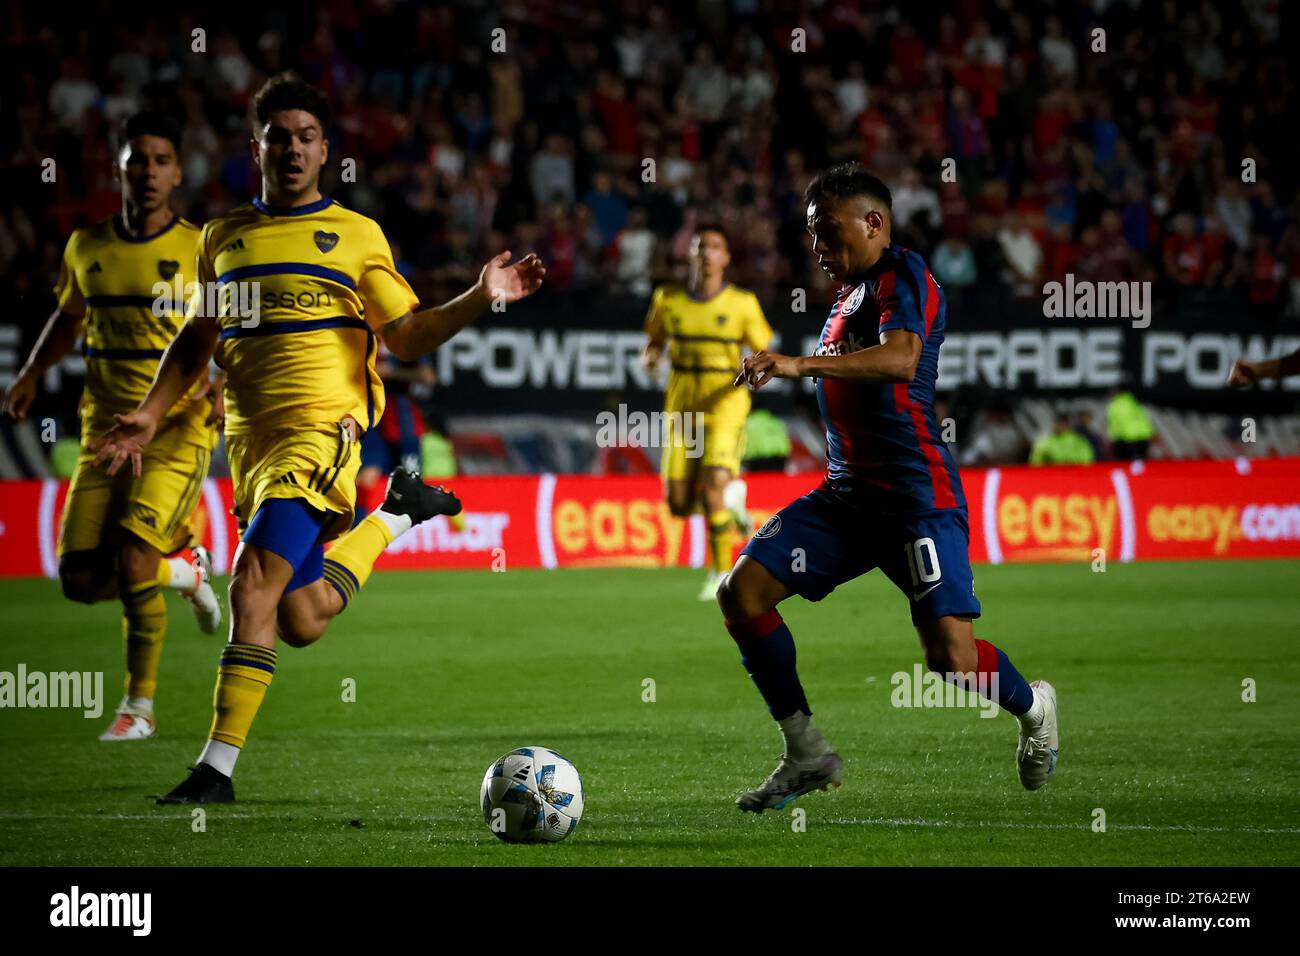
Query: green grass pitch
(453, 669)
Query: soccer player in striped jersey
(301, 391)
(891, 499)
(703, 327)
(129, 536)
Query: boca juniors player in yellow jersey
(301, 390)
(116, 530)
(891, 499)
(703, 327)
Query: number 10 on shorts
(921, 554)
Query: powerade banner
(542, 357)
(575, 361)
(1143, 511)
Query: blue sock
(1014, 693)
(767, 651)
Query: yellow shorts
(156, 507)
(318, 464)
(694, 443)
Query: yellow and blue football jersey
(704, 339)
(108, 278)
(303, 291)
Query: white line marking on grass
(164, 815)
(966, 825)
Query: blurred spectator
(608, 206)
(1128, 426)
(1083, 425)
(1184, 259)
(995, 439)
(1023, 254)
(912, 198)
(1057, 52)
(1062, 446)
(633, 251)
(767, 442)
(72, 95)
(552, 172)
(953, 263)
(448, 139)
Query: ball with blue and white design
(531, 795)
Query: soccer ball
(531, 795)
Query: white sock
(184, 577)
(139, 705)
(1034, 715)
(398, 524)
(803, 740)
(220, 756)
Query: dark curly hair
(710, 225)
(149, 123)
(289, 91)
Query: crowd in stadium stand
(1122, 164)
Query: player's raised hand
(125, 440)
(512, 281)
(20, 395)
(760, 368)
(1243, 374)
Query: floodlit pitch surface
(451, 670)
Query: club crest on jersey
(167, 268)
(325, 241)
(770, 527)
(854, 300)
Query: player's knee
(138, 561)
(79, 586)
(297, 633)
(680, 508)
(738, 603)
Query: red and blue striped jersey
(882, 440)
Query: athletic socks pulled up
(767, 652)
(242, 679)
(995, 670)
(350, 561)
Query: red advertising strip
(1243, 509)
(1143, 511)
(497, 530)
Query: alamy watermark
(922, 688)
(1085, 299)
(626, 429)
(241, 300)
(73, 909)
(79, 690)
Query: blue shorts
(292, 529)
(826, 538)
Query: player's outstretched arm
(56, 340)
(185, 359)
(1250, 373)
(656, 336)
(418, 333)
(893, 360)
